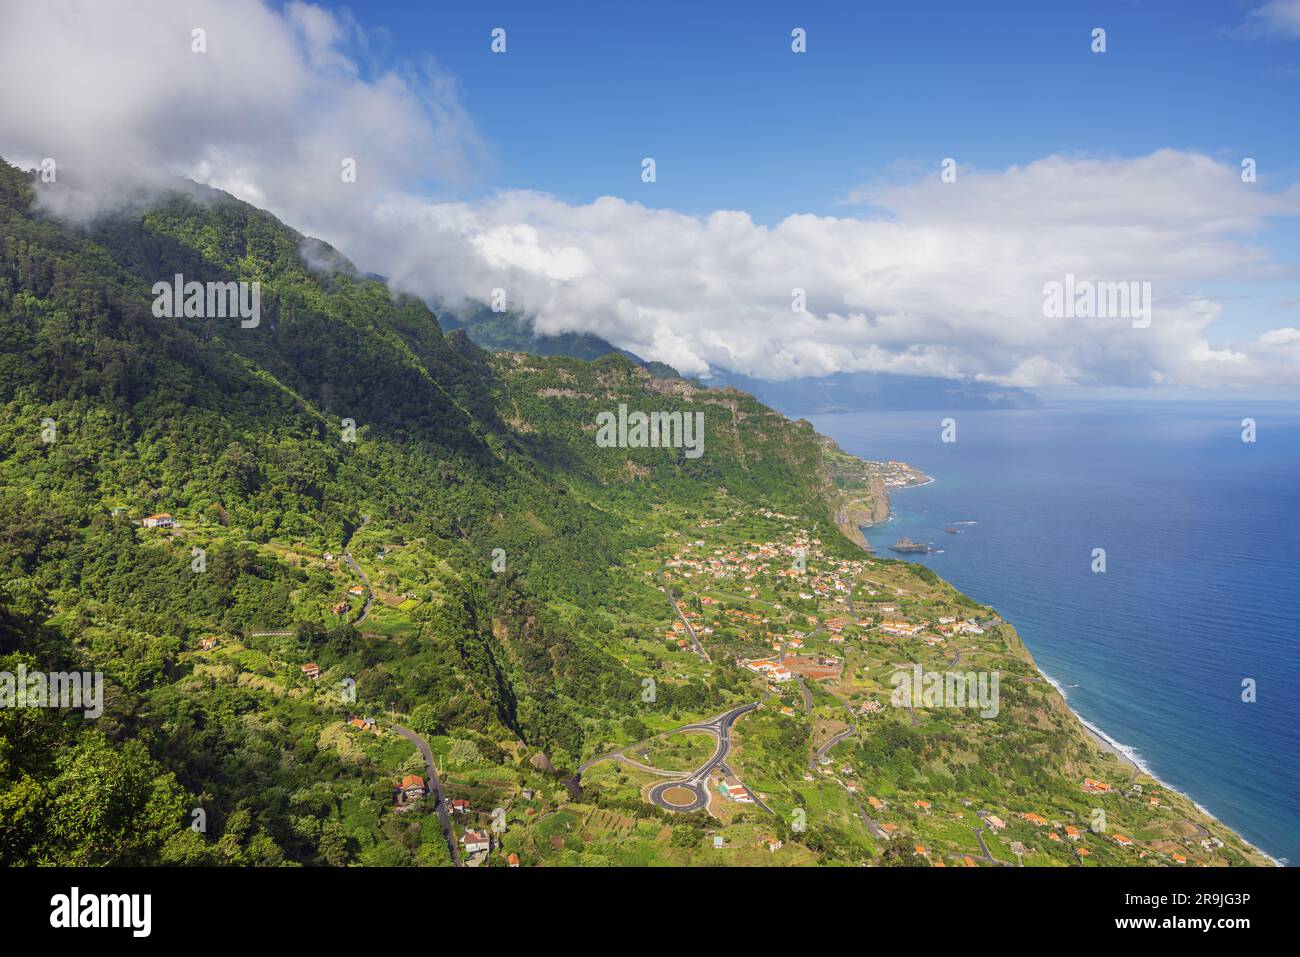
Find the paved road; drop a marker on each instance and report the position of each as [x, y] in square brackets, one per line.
[621, 755]
[697, 780]
[356, 570]
[842, 736]
[988, 856]
[803, 688]
[873, 827]
[852, 729]
[444, 816]
[695, 641]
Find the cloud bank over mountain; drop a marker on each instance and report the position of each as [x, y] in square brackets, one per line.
[922, 277]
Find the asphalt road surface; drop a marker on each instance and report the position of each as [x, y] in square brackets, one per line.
[697, 780]
[444, 816]
[695, 640]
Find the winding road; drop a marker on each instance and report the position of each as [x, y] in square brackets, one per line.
[356, 570]
[370, 592]
[695, 640]
[695, 781]
[988, 856]
[444, 817]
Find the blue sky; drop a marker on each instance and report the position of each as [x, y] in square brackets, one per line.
[779, 174]
[736, 121]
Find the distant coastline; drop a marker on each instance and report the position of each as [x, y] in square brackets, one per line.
[1132, 759]
[1127, 756]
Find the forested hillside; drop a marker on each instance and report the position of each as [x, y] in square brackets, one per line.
[294, 546]
[242, 434]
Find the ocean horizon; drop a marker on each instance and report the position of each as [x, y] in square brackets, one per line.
[1200, 535]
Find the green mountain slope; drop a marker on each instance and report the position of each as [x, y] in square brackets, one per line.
[441, 534]
[512, 332]
[238, 433]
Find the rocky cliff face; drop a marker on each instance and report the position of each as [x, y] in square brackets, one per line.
[855, 490]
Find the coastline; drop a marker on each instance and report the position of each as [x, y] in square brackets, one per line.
[1127, 756]
[889, 506]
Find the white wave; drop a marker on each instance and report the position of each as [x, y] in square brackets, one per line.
[1136, 757]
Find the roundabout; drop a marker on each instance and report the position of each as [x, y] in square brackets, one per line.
[682, 796]
[685, 791]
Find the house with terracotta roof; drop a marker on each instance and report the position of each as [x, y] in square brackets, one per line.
[459, 806]
[1095, 787]
[1122, 841]
[311, 670]
[512, 859]
[735, 791]
[1033, 818]
[411, 788]
[476, 841]
[1072, 832]
[160, 520]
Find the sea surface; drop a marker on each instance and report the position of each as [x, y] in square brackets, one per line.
[1201, 590]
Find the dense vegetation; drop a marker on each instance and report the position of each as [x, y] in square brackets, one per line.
[379, 520]
[111, 414]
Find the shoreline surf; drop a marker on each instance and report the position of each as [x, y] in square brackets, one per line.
[1128, 756]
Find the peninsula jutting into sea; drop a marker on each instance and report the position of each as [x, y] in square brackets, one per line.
[719, 672]
[1174, 583]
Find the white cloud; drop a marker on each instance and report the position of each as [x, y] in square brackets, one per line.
[929, 278]
[115, 92]
[1280, 337]
[1274, 18]
[942, 279]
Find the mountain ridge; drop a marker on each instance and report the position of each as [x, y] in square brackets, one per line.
[369, 517]
[840, 392]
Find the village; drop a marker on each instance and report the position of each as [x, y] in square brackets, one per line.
[817, 632]
[827, 628]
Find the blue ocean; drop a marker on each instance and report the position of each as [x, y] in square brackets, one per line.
[1202, 584]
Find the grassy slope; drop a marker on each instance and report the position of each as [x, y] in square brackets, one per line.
[237, 432]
